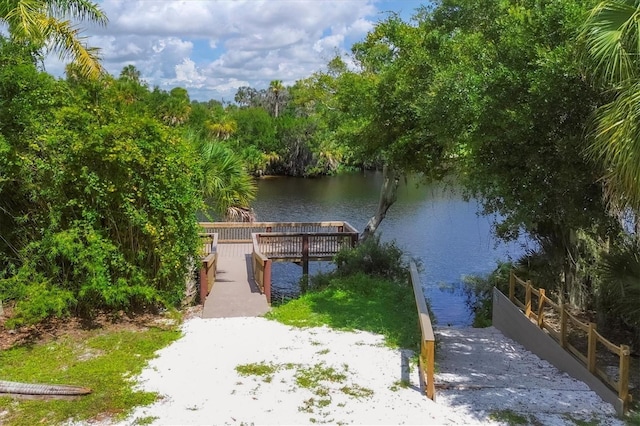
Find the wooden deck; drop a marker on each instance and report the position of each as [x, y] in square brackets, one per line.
[235, 273]
[235, 293]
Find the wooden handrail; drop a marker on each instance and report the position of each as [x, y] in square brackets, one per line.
[593, 337]
[261, 269]
[210, 242]
[427, 340]
[207, 275]
[240, 232]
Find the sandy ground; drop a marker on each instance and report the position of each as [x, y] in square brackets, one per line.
[319, 375]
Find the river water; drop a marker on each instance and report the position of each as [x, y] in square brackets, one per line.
[432, 223]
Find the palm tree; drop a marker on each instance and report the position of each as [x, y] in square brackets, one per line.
[612, 39]
[224, 180]
[223, 129]
[276, 88]
[47, 24]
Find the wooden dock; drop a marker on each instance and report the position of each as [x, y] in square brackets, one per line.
[235, 277]
[235, 293]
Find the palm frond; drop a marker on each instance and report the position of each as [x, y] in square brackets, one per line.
[224, 178]
[83, 10]
[611, 33]
[65, 39]
[620, 288]
[25, 20]
[616, 144]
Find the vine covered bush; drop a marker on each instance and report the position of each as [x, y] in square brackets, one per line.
[98, 199]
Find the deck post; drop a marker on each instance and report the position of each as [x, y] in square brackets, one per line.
[266, 277]
[204, 282]
[623, 380]
[305, 255]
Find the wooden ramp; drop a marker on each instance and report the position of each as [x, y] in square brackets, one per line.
[235, 293]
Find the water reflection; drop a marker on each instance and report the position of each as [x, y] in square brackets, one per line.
[432, 223]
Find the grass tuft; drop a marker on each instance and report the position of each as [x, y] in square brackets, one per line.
[510, 417]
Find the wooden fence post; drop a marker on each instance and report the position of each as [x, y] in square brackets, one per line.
[541, 308]
[305, 255]
[527, 300]
[563, 326]
[204, 282]
[512, 286]
[623, 381]
[430, 353]
[591, 348]
[266, 280]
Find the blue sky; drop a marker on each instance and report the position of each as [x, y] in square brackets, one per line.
[212, 47]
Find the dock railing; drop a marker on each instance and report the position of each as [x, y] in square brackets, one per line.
[427, 339]
[209, 263]
[261, 269]
[240, 232]
[298, 246]
[558, 321]
[297, 242]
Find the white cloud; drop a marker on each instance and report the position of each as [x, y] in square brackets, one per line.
[213, 47]
[188, 75]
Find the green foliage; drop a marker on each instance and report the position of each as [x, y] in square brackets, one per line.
[52, 25]
[509, 92]
[103, 362]
[478, 292]
[619, 270]
[369, 290]
[373, 258]
[97, 198]
[225, 183]
[611, 45]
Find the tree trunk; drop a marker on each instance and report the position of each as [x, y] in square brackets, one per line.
[388, 196]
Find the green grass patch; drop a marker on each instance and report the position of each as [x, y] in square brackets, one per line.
[357, 391]
[102, 361]
[256, 369]
[510, 417]
[310, 377]
[399, 384]
[357, 302]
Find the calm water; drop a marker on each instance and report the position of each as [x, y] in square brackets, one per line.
[432, 223]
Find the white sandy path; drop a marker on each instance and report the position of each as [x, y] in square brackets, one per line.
[197, 377]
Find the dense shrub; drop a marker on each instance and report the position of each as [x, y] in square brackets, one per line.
[98, 199]
[374, 258]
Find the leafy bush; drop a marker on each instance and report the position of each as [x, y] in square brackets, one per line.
[373, 258]
[98, 199]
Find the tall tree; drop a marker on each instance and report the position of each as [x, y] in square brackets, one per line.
[48, 24]
[277, 92]
[514, 95]
[387, 112]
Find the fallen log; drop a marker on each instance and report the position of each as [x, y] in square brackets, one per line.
[17, 388]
